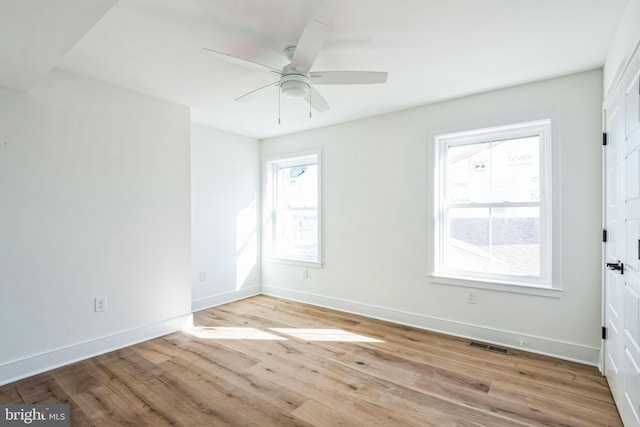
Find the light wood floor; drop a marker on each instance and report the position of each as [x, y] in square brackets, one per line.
[234, 369]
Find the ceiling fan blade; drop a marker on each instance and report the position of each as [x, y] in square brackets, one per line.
[239, 61]
[309, 45]
[317, 101]
[248, 95]
[348, 77]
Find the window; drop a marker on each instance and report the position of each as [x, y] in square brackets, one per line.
[292, 209]
[492, 205]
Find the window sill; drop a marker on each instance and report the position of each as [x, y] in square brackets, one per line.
[497, 286]
[299, 263]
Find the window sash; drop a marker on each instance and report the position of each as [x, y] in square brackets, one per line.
[295, 251]
[492, 246]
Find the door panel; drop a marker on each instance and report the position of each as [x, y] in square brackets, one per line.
[631, 300]
[632, 106]
[632, 202]
[631, 218]
[631, 244]
[614, 362]
[632, 389]
[631, 185]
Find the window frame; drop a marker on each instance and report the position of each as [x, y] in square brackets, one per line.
[271, 167]
[547, 284]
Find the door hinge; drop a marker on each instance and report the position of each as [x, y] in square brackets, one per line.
[604, 235]
[604, 138]
[604, 333]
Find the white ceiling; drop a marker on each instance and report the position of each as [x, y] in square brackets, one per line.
[432, 49]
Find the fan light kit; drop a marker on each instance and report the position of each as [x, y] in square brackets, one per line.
[293, 88]
[296, 79]
[294, 85]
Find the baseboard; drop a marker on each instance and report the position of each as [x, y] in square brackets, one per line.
[223, 298]
[42, 362]
[545, 346]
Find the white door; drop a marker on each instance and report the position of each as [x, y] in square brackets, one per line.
[614, 204]
[622, 219]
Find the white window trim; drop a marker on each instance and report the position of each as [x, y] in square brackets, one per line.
[269, 207]
[550, 285]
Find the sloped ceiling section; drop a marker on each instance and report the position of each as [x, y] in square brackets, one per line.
[36, 34]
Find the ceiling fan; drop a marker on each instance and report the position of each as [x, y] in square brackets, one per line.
[296, 78]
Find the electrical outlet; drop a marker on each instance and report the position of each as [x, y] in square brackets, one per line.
[203, 276]
[472, 298]
[100, 304]
[305, 273]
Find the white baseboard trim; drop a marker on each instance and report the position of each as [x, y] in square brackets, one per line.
[545, 346]
[42, 362]
[223, 298]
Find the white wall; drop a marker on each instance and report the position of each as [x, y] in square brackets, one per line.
[625, 40]
[225, 170]
[375, 249]
[95, 201]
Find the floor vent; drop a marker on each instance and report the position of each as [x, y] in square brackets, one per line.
[489, 347]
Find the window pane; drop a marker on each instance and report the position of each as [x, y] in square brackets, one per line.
[296, 233]
[468, 178]
[298, 186]
[495, 171]
[502, 241]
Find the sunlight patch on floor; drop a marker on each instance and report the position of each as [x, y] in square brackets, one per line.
[232, 333]
[305, 334]
[324, 335]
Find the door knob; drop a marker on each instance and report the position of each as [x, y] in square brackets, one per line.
[616, 266]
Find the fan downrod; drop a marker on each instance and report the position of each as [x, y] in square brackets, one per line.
[289, 51]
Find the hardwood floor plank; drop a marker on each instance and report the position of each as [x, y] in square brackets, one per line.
[41, 389]
[223, 401]
[319, 382]
[144, 397]
[264, 361]
[75, 379]
[269, 403]
[203, 349]
[345, 412]
[499, 380]
[9, 395]
[589, 412]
